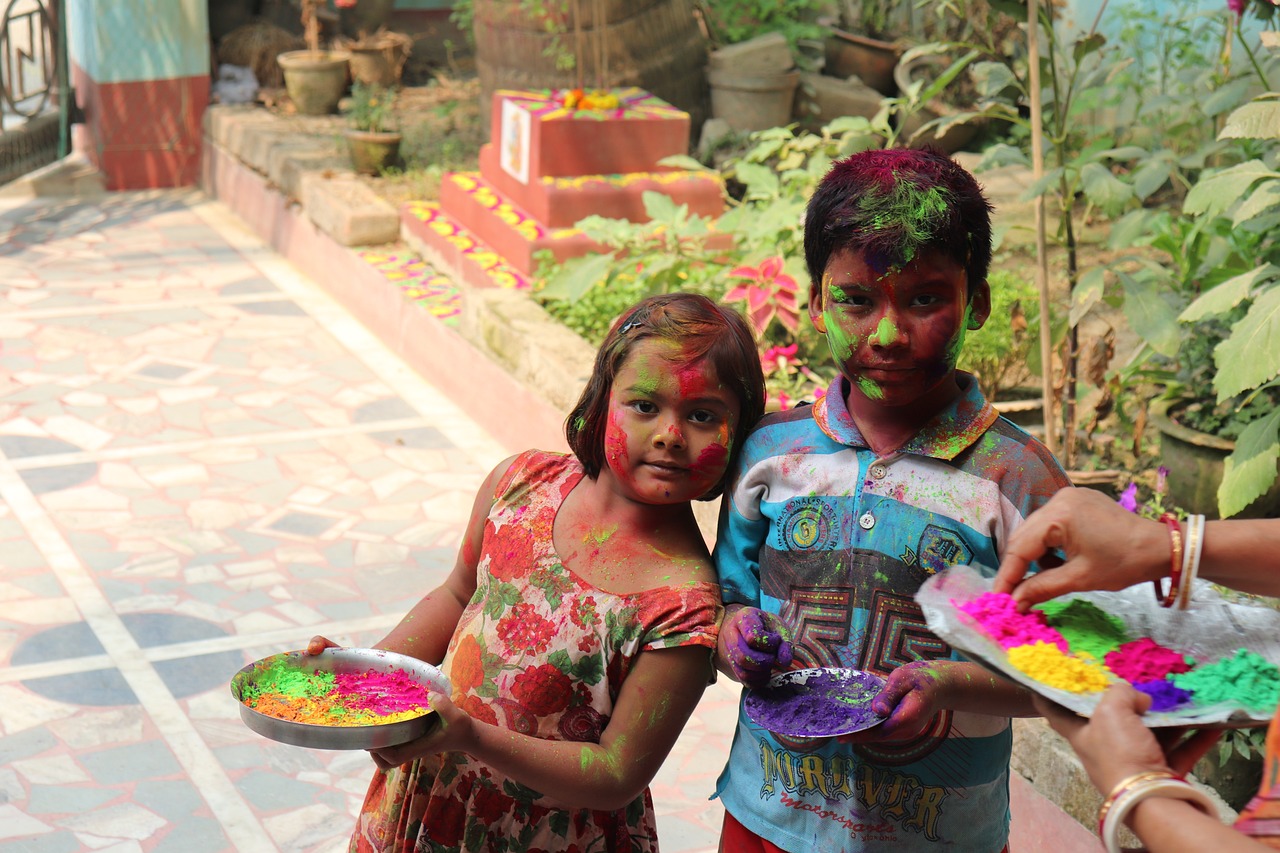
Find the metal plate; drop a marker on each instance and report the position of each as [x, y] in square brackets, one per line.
[342, 737]
[799, 703]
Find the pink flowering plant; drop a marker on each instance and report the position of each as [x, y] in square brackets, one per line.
[788, 380]
[1155, 506]
[769, 294]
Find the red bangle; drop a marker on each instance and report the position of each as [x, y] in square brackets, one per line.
[1175, 561]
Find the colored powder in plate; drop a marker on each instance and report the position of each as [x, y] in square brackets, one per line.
[381, 692]
[1088, 629]
[998, 616]
[324, 712]
[1048, 664]
[825, 703]
[1146, 660]
[1164, 696]
[287, 679]
[1245, 678]
[288, 692]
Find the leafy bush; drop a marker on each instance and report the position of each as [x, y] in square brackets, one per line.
[997, 353]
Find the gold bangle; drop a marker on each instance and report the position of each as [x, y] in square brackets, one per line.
[1124, 785]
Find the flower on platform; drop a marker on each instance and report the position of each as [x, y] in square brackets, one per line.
[578, 99]
[1129, 498]
[772, 294]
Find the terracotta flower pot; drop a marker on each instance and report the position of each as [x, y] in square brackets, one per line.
[316, 81]
[373, 152]
[872, 60]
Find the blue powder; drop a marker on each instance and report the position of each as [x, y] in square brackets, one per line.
[1164, 695]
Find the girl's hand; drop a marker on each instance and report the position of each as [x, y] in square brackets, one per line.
[452, 731]
[752, 644]
[319, 644]
[912, 696]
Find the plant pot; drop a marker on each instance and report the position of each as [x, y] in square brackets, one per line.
[1195, 461]
[365, 17]
[953, 138]
[377, 66]
[316, 81]
[373, 152]
[749, 102]
[872, 60]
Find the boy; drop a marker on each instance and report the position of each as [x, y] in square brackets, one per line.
[840, 510]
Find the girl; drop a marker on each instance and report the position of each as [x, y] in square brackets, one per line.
[577, 625]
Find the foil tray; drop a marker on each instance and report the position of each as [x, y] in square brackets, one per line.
[1209, 630]
[337, 660]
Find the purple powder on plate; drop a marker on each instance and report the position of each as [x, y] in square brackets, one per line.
[826, 702]
[1164, 695]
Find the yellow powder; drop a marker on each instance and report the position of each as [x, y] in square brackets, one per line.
[1047, 664]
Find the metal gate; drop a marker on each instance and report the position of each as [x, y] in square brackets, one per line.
[33, 86]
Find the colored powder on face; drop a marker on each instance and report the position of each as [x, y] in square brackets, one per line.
[825, 703]
[1146, 660]
[1049, 665]
[997, 614]
[1087, 628]
[1244, 677]
[288, 692]
[1164, 696]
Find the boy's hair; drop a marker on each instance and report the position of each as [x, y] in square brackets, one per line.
[704, 330]
[893, 203]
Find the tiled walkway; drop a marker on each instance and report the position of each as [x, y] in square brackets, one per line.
[204, 460]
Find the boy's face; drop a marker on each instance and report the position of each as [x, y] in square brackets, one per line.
[896, 332]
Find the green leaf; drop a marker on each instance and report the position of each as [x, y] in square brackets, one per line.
[1251, 470]
[1251, 356]
[1226, 97]
[660, 207]
[578, 276]
[762, 182]
[848, 124]
[943, 80]
[1130, 229]
[1038, 188]
[684, 161]
[1150, 315]
[1213, 194]
[1258, 119]
[1001, 154]
[1227, 295]
[590, 669]
[991, 78]
[1151, 176]
[1087, 293]
[1264, 199]
[1104, 189]
[1087, 45]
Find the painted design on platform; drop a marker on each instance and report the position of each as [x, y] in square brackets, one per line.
[631, 179]
[633, 103]
[418, 281]
[525, 225]
[472, 250]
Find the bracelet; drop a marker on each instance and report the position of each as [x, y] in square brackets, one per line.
[1123, 786]
[1191, 561]
[1160, 787]
[1175, 561]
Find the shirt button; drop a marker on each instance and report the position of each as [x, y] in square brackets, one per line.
[867, 521]
[878, 471]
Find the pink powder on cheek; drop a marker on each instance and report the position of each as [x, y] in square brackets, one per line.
[615, 441]
[712, 459]
[997, 615]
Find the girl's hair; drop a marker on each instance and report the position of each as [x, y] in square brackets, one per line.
[891, 204]
[703, 330]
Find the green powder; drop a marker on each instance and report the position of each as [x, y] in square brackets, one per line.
[1245, 678]
[284, 677]
[1088, 629]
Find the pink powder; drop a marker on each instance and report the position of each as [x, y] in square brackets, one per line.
[381, 692]
[1145, 660]
[998, 616]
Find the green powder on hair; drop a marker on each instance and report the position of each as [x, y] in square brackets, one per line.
[1086, 627]
[1245, 678]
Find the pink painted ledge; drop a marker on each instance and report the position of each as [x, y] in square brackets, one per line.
[513, 414]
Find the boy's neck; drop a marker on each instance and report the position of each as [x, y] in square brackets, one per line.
[887, 429]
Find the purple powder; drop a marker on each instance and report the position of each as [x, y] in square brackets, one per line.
[1164, 695]
[826, 702]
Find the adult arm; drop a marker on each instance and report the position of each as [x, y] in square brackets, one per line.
[655, 701]
[1109, 548]
[425, 631]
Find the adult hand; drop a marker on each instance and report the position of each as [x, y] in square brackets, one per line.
[451, 731]
[753, 643]
[1106, 547]
[318, 644]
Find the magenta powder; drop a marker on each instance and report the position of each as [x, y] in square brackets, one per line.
[1146, 660]
[825, 703]
[1164, 696]
[997, 614]
[381, 692]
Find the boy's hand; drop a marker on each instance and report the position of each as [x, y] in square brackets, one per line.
[912, 697]
[319, 644]
[451, 731]
[752, 644]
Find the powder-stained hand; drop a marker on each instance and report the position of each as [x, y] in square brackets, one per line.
[754, 643]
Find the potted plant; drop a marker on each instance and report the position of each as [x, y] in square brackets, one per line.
[372, 140]
[315, 78]
[866, 44]
[377, 58]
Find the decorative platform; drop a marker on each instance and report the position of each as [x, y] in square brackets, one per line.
[457, 248]
[550, 165]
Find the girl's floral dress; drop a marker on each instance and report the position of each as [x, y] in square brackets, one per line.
[540, 651]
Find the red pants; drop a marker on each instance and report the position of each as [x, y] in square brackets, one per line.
[736, 838]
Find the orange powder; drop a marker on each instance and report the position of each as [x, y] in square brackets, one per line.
[1047, 664]
[322, 712]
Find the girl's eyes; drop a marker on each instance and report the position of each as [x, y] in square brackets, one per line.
[702, 416]
[644, 407]
[697, 416]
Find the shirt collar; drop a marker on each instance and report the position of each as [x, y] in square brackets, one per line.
[946, 436]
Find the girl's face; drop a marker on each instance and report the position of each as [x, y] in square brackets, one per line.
[897, 333]
[670, 425]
